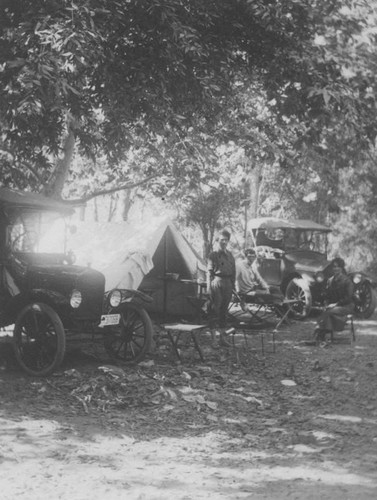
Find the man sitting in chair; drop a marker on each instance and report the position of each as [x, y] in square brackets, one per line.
[339, 295]
[249, 283]
[248, 278]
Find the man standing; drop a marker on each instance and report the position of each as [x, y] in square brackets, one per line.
[221, 281]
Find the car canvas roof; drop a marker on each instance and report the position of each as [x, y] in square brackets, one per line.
[276, 223]
[9, 198]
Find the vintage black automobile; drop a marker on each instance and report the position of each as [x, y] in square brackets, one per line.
[292, 254]
[47, 300]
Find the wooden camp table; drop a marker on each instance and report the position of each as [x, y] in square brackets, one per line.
[175, 330]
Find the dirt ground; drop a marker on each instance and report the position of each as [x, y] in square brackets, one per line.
[297, 423]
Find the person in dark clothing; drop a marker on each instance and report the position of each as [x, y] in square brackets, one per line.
[339, 299]
[221, 276]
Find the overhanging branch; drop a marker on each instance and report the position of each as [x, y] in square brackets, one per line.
[102, 192]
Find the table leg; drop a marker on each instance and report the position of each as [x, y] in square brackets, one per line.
[174, 342]
[197, 346]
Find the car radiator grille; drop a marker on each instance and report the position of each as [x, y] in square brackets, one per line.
[92, 286]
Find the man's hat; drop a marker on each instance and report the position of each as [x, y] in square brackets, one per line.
[250, 251]
[225, 234]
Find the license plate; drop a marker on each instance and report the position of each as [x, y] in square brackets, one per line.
[109, 319]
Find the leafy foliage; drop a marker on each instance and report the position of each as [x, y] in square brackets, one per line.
[180, 90]
[109, 70]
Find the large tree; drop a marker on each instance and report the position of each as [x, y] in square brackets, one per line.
[99, 75]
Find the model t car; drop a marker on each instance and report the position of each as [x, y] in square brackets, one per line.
[46, 299]
[292, 254]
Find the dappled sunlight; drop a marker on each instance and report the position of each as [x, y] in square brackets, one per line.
[242, 434]
[196, 467]
[366, 327]
[349, 419]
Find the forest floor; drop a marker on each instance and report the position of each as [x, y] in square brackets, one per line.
[297, 423]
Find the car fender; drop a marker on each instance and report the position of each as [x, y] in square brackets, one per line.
[304, 282]
[17, 302]
[128, 295]
[135, 296]
[301, 280]
[307, 279]
[363, 278]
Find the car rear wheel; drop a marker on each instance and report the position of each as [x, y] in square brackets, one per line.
[365, 300]
[39, 339]
[299, 298]
[131, 340]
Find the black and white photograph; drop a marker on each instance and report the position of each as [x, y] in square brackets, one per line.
[188, 249]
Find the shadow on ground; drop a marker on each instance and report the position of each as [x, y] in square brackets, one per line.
[229, 428]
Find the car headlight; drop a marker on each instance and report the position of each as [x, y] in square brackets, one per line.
[115, 298]
[76, 299]
[357, 278]
[320, 277]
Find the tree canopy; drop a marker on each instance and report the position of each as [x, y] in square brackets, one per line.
[101, 74]
[262, 99]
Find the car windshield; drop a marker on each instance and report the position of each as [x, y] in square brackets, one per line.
[37, 232]
[315, 241]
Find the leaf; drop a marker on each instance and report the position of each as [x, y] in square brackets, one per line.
[212, 405]
[252, 399]
[288, 383]
[187, 390]
[171, 394]
[146, 364]
[189, 399]
[167, 408]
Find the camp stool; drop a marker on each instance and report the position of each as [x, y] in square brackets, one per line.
[175, 330]
[349, 323]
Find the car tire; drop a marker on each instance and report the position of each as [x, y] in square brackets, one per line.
[298, 291]
[39, 339]
[365, 300]
[131, 340]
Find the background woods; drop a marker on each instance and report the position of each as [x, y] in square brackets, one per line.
[217, 111]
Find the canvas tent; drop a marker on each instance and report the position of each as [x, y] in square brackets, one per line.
[153, 257]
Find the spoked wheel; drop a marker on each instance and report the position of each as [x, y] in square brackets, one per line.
[39, 339]
[299, 298]
[365, 300]
[131, 340]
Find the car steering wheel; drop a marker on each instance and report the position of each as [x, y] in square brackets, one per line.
[306, 245]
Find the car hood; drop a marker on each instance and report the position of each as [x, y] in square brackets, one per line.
[306, 260]
[63, 278]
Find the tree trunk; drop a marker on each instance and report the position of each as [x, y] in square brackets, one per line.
[58, 177]
[113, 207]
[254, 183]
[95, 204]
[127, 200]
[82, 211]
[253, 174]
[206, 243]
